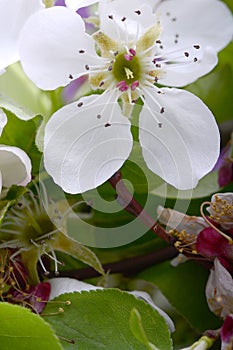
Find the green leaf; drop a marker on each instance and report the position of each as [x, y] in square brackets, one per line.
[206, 186]
[69, 246]
[184, 287]
[22, 330]
[21, 96]
[14, 193]
[135, 323]
[99, 319]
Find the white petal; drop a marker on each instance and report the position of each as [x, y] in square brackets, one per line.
[189, 69]
[3, 120]
[15, 166]
[135, 22]
[186, 147]
[147, 298]
[68, 285]
[77, 4]
[180, 221]
[13, 15]
[49, 47]
[82, 150]
[203, 22]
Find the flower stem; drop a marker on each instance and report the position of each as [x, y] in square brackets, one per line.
[133, 207]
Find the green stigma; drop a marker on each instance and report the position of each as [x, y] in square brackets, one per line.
[124, 70]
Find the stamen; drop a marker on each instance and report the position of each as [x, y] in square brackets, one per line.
[46, 272]
[134, 85]
[148, 107]
[230, 240]
[122, 86]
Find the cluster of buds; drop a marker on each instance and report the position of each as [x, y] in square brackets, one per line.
[210, 238]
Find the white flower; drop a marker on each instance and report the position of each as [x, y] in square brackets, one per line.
[13, 15]
[62, 285]
[15, 165]
[88, 141]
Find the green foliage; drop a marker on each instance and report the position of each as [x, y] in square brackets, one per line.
[184, 287]
[21, 329]
[137, 329]
[101, 320]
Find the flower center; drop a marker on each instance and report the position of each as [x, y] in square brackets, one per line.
[127, 68]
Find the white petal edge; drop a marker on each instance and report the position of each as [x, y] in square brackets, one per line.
[15, 166]
[68, 285]
[3, 120]
[186, 147]
[13, 15]
[77, 4]
[51, 47]
[147, 298]
[84, 146]
[203, 22]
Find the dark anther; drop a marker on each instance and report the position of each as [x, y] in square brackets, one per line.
[107, 124]
[186, 54]
[196, 47]
[80, 104]
[101, 83]
[162, 110]
[174, 19]
[123, 19]
[138, 12]
[81, 51]
[116, 53]
[87, 67]
[159, 92]
[110, 16]
[158, 65]
[109, 68]
[195, 59]
[158, 41]
[160, 125]
[71, 76]
[156, 79]
[161, 47]
[99, 116]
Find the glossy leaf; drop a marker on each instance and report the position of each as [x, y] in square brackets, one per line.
[22, 330]
[100, 320]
